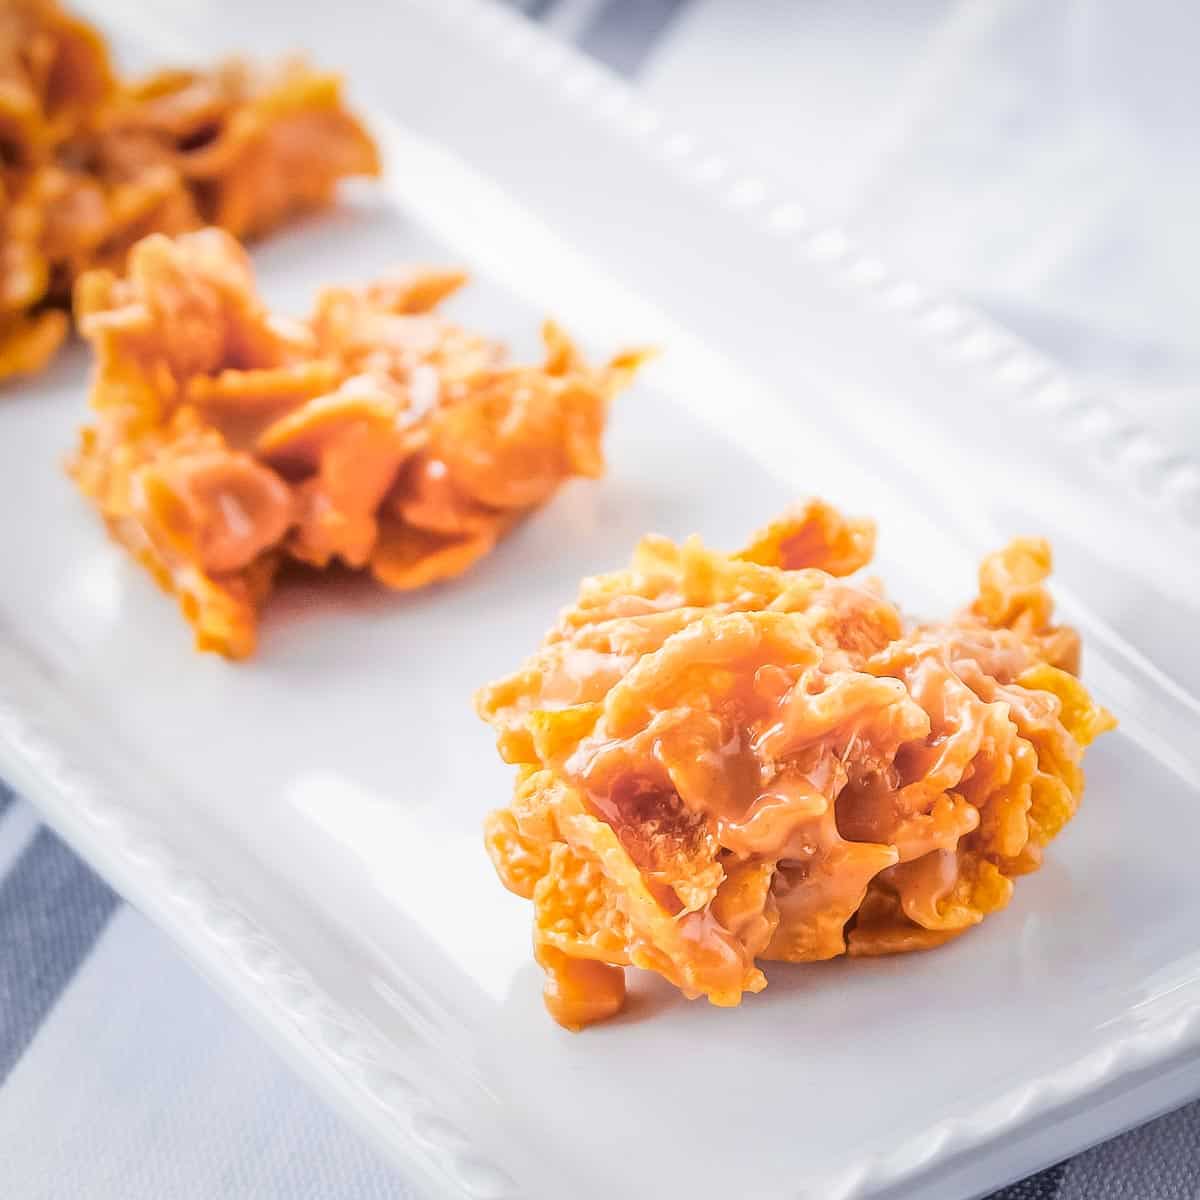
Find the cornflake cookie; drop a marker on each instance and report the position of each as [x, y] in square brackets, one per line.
[89, 163]
[376, 434]
[727, 758]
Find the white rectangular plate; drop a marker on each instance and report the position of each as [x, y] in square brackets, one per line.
[307, 825]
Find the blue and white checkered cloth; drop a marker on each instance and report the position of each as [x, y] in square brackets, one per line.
[122, 1077]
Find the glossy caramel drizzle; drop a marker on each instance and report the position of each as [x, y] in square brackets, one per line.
[725, 759]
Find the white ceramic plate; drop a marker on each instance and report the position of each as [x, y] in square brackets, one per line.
[306, 825]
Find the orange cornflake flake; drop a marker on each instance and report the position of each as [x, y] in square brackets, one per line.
[89, 163]
[376, 434]
[732, 758]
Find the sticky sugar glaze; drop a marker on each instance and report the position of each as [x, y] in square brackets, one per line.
[726, 759]
[376, 434]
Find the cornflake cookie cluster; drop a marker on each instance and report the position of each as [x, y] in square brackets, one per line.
[731, 758]
[375, 434]
[89, 163]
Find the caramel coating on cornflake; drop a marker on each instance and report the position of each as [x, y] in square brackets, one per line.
[89, 164]
[724, 759]
[376, 434]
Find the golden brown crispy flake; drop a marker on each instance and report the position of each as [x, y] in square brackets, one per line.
[726, 758]
[54, 71]
[253, 145]
[27, 344]
[814, 534]
[406, 558]
[226, 438]
[90, 164]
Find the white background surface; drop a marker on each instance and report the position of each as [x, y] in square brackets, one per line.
[142, 1085]
[1038, 159]
[175, 1097]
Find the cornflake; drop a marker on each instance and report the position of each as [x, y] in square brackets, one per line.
[376, 434]
[731, 758]
[89, 163]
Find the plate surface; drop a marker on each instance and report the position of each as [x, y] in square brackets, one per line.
[306, 825]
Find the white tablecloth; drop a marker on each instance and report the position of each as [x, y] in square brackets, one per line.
[1015, 152]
